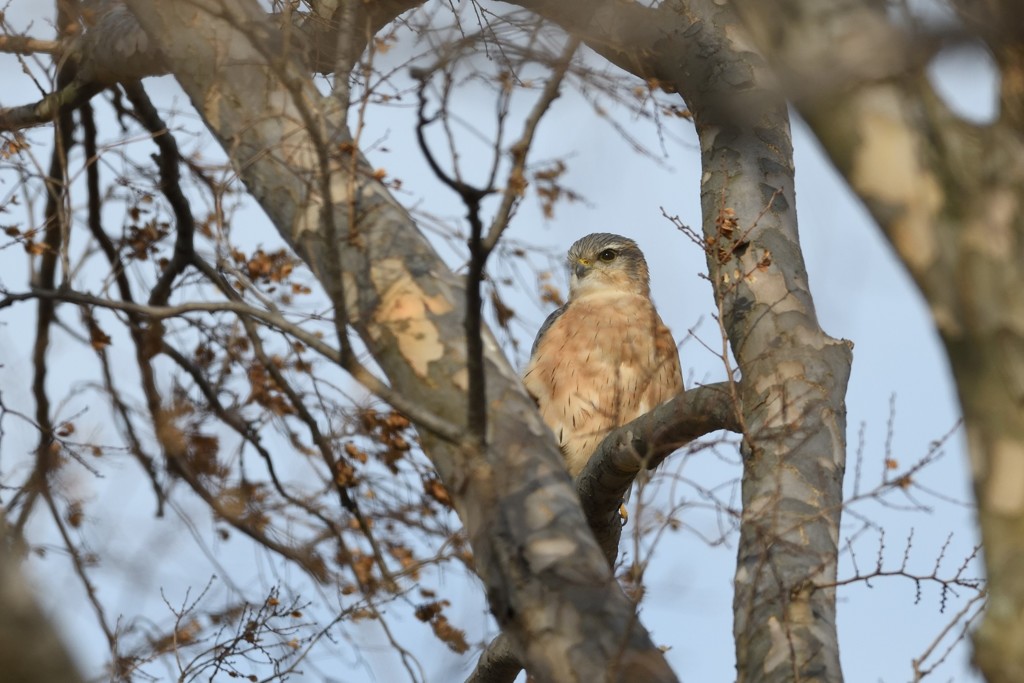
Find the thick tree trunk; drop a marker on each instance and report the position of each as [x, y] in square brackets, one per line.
[613, 467]
[550, 590]
[792, 396]
[989, 368]
[978, 230]
[547, 581]
[794, 375]
[949, 195]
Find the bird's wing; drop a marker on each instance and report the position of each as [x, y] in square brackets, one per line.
[555, 315]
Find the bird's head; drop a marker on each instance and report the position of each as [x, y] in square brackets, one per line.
[606, 263]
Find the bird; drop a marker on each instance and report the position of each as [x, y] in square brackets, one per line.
[605, 357]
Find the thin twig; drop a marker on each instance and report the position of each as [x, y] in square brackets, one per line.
[442, 428]
[519, 151]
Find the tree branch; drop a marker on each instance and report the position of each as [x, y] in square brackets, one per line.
[947, 194]
[791, 417]
[644, 443]
[528, 534]
[115, 49]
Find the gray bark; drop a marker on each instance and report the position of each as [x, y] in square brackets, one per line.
[794, 376]
[643, 443]
[546, 578]
[948, 195]
[547, 583]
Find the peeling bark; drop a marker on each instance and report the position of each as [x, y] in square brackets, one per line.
[948, 196]
[946, 193]
[547, 582]
[643, 443]
[794, 376]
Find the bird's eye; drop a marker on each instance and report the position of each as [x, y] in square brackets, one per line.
[608, 255]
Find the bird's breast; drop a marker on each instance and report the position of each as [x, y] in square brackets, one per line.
[602, 363]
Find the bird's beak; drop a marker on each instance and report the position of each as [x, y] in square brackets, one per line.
[581, 268]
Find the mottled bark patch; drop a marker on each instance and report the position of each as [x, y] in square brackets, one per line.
[888, 168]
[406, 311]
[1006, 478]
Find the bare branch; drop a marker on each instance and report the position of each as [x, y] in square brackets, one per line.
[428, 421]
[644, 443]
[26, 45]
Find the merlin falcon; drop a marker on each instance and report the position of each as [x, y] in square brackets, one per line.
[605, 357]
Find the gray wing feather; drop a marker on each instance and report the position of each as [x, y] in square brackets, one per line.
[555, 315]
